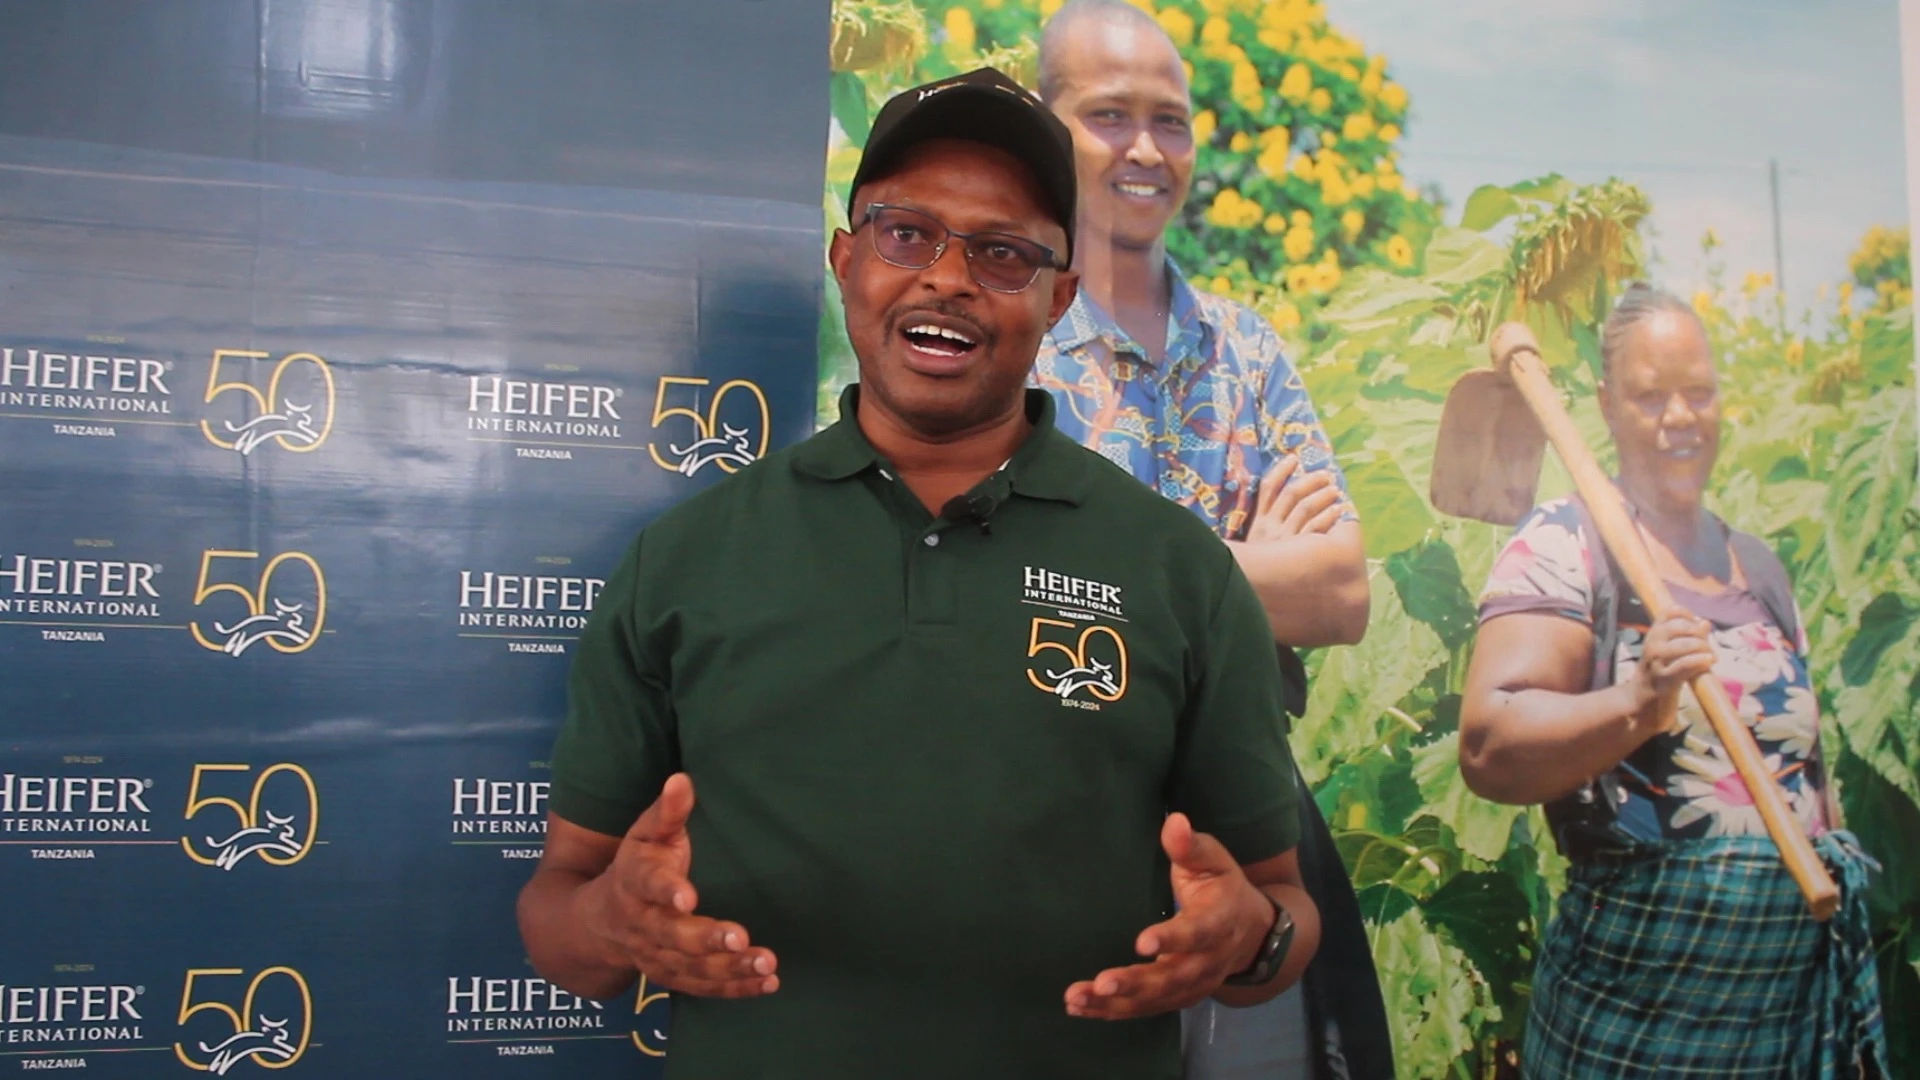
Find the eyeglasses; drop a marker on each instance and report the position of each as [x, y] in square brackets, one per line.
[912, 240]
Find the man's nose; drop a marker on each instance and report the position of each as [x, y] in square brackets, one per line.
[950, 275]
[1144, 151]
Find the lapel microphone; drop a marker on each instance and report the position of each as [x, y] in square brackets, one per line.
[975, 507]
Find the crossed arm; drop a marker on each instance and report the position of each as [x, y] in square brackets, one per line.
[1307, 565]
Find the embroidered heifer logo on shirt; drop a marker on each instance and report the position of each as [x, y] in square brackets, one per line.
[1082, 669]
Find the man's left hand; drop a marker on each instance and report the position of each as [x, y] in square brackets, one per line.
[1220, 922]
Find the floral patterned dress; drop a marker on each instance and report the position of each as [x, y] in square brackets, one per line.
[1681, 784]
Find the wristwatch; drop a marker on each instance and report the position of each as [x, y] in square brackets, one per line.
[1273, 951]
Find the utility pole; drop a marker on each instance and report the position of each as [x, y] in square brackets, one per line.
[1779, 259]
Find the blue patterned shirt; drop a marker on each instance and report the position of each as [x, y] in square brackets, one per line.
[1202, 426]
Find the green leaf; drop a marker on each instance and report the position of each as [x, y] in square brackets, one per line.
[1481, 826]
[1488, 917]
[1462, 256]
[1489, 205]
[1429, 985]
[1428, 581]
[1354, 686]
[1382, 903]
[1885, 621]
[847, 94]
[1393, 516]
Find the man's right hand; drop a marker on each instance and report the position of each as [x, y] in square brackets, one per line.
[1312, 503]
[641, 910]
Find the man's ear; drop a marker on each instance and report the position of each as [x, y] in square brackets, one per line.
[840, 255]
[1066, 285]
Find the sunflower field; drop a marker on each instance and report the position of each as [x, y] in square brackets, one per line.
[1299, 209]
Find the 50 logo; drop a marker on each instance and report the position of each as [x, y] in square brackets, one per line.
[1095, 662]
[284, 413]
[272, 1026]
[278, 838]
[650, 1035]
[724, 440]
[292, 625]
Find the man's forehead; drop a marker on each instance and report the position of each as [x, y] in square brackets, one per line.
[1116, 58]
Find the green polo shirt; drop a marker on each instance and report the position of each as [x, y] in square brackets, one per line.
[931, 760]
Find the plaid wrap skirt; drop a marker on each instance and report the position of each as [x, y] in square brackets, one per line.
[1698, 959]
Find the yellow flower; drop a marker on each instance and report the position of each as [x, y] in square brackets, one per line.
[1185, 65]
[960, 29]
[1231, 210]
[1301, 219]
[1221, 285]
[1326, 276]
[1048, 8]
[1394, 97]
[1214, 7]
[1703, 304]
[1857, 327]
[1709, 240]
[1178, 25]
[1277, 135]
[1362, 186]
[1370, 82]
[1299, 278]
[1204, 123]
[1353, 221]
[1303, 168]
[1358, 126]
[1754, 282]
[1796, 352]
[1399, 251]
[1298, 244]
[1333, 187]
[1240, 143]
[1278, 40]
[1275, 224]
[1297, 84]
[1285, 318]
[1246, 87]
[1389, 181]
[1389, 132]
[1846, 296]
[1215, 32]
[1273, 161]
[991, 5]
[1143, 5]
[1320, 100]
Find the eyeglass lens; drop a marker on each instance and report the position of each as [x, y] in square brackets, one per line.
[912, 240]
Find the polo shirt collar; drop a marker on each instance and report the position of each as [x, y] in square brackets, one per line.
[1086, 321]
[1048, 465]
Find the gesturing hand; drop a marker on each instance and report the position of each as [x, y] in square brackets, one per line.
[1310, 504]
[1677, 649]
[1221, 921]
[642, 908]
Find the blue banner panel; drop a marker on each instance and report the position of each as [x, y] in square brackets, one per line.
[344, 347]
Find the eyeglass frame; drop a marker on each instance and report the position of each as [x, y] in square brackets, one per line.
[1052, 257]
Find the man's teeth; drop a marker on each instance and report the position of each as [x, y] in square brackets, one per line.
[1143, 190]
[943, 332]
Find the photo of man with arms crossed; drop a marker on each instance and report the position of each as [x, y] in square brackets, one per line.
[1191, 394]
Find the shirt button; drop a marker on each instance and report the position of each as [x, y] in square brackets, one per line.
[932, 540]
[1233, 485]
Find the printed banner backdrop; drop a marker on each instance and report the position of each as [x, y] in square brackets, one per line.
[1385, 181]
[344, 346]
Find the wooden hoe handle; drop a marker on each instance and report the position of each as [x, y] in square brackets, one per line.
[1517, 354]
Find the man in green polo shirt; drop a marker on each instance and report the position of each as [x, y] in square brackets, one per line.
[987, 738]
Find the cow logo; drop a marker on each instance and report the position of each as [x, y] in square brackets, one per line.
[726, 441]
[286, 621]
[280, 829]
[271, 1028]
[284, 414]
[1080, 670]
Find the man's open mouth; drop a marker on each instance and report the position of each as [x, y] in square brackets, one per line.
[940, 340]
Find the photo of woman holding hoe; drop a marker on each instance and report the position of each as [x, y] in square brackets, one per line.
[1681, 946]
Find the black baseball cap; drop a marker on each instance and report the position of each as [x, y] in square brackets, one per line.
[983, 106]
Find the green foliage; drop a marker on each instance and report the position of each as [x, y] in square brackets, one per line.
[1818, 456]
